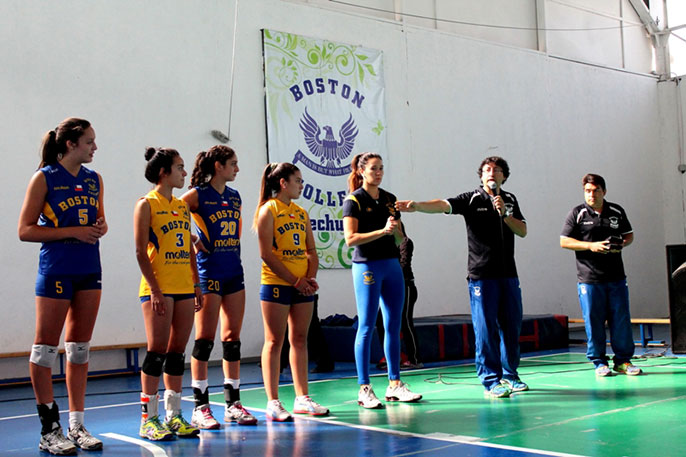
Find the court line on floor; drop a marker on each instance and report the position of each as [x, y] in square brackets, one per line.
[155, 450]
[589, 416]
[64, 411]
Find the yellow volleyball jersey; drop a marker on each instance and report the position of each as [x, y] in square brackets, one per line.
[169, 246]
[290, 232]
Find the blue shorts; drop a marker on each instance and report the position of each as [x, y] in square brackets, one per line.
[285, 295]
[222, 286]
[64, 286]
[176, 297]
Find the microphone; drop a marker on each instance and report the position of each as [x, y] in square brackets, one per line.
[494, 188]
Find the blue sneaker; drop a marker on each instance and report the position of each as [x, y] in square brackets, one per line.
[500, 390]
[516, 385]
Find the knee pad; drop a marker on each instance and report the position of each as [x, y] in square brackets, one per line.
[153, 363]
[202, 350]
[232, 350]
[43, 355]
[175, 364]
[77, 353]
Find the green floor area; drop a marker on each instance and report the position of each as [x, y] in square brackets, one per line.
[568, 410]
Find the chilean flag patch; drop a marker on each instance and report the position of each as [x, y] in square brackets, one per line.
[174, 213]
[78, 188]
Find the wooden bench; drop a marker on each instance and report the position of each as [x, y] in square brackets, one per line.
[645, 326]
[132, 361]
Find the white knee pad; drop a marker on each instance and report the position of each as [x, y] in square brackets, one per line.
[77, 353]
[43, 355]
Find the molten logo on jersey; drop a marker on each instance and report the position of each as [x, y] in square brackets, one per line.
[368, 278]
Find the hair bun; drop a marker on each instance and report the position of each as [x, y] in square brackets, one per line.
[149, 152]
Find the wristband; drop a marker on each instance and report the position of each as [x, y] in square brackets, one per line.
[197, 285]
[295, 284]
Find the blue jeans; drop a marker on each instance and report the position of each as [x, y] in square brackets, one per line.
[378, 282]
[497, 318]
[608, 301]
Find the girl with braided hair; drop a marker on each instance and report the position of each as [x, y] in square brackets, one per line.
[289, 269]
[216, 210]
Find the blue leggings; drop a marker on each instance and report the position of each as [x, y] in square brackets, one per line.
[374, 280]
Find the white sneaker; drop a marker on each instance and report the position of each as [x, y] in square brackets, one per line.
[203, 419]
[236, 413]
[305, 405]
[367, 398]
[400, 392]
[276, 412]
[83, 439]
[56, 443]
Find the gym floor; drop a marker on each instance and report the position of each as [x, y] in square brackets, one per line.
[568, 411]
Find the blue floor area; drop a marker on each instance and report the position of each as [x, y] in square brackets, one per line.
[113, 412]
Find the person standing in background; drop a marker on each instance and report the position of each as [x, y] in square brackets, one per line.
[216, 210]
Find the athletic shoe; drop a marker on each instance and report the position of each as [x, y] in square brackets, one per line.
[181, 428]
[516, 385]
[305, 405]
[603, 371]
[276, 412]
[407, 365]
[236, 413]
[83, 439]
[499, 390]
[154, 430]
[400, 392]
[366, 398]
[203, 419]
[56, 443]
[627, 368]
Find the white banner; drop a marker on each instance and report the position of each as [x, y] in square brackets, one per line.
[325, 103]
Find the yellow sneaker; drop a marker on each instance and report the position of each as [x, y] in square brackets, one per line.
[153, 430]
[181, 428]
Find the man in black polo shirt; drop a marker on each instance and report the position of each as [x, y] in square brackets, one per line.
[493, 218]
[597, 230]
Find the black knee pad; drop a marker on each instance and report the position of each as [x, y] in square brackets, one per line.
[232, 350]
[175, 364]
[152, 365]
[202, 350]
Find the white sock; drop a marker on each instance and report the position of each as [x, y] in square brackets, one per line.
[200, 384]
[149, 406]
[235, 383]
[75, 418]
[172, 403]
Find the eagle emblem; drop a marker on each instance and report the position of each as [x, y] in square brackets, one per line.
[329, 150]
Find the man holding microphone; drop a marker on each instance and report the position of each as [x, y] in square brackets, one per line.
[492, 218]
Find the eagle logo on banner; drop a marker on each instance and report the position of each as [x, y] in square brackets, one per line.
[329, 150]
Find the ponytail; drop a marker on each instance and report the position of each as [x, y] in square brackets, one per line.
[356, 167]
[54, 144]
[270, 185]
[203, 170]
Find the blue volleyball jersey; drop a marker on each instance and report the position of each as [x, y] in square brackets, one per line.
[218, 220]
[70, 201]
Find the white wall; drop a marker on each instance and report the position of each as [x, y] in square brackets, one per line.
[146, 75]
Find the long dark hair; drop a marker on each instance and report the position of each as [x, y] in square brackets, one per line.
[203, 170]
[270, 185]
[158, 159]
[54, 144]
[358, 163]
